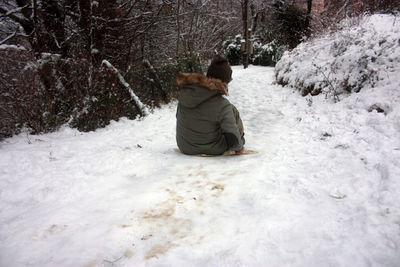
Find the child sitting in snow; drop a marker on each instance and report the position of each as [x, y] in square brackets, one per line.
[207, 123]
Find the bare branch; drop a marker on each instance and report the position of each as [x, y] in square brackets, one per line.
[9, 37]
[140, 106]
[11, 12]
[25, 23]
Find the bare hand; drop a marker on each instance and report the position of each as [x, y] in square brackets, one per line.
[239, 152]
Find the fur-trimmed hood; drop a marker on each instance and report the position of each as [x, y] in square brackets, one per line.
[196, 89]
[196, 78]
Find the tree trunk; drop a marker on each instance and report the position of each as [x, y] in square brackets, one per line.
[53, 21]
[309, 7]
[178, 22]
[308, 19]
[254, 18]
[245, 11]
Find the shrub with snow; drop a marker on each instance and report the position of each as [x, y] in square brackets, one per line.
[346, 61]
[267, 54]
[232, 50]
[263, 54]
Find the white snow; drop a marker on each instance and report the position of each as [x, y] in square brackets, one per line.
[358, 56]
[14, 47]
[323, 190]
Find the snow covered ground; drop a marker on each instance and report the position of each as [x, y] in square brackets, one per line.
[323, 190]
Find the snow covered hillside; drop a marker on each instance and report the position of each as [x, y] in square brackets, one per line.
[323, 190]
[363, 55]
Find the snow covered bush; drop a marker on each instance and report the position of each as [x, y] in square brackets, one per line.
[106, 100]
[155, 83]
[267, 54]
[53, 91]
[263, 54]
[345, 61]
[231, 50]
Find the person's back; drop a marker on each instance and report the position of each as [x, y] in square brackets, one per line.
[206, 121]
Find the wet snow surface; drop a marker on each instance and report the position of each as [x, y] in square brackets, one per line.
[323, 190]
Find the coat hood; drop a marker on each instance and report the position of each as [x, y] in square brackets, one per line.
[196, 88]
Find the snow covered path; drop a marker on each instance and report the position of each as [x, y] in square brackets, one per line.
[323, 191]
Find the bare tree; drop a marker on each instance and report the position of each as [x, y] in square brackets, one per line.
[309, 8]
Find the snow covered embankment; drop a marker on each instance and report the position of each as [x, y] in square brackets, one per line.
[358, 56]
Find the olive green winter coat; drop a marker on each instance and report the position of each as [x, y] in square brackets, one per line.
[206, 121]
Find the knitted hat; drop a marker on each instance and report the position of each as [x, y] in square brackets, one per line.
[220, 69]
